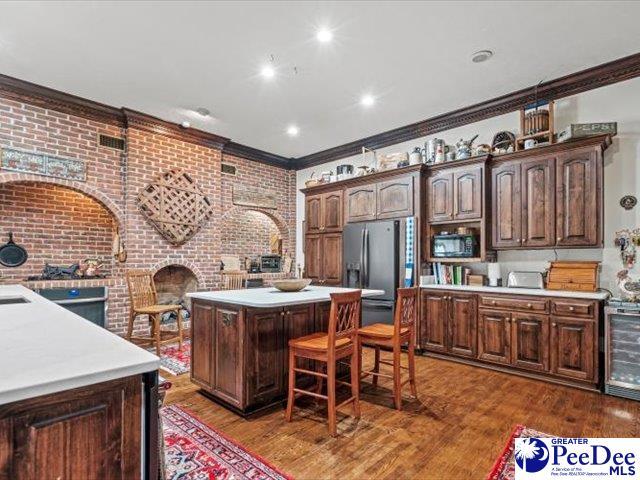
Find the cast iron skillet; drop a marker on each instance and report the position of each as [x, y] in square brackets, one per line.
[12, 255]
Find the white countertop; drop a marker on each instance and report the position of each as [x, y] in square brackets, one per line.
[521, 291]
[46, 349]
[273, 298]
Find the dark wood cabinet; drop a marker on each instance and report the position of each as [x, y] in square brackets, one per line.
[265, 354]
[360, 203]
[573, 349]
[433, 325]
[87, 432]
[440, 196]
[467, 190]
[538, 202]
[530, 343]
[201, 338]
[395, 198]
[331, 258]
[227, 353]
[324, 212]
[313, 213]
[313, 257]
[578, 192]
[462, 325]
[494, 336]
[506, 208]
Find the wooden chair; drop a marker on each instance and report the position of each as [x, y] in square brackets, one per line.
[394, 336]
[234, 280]
[338, 343]
[144, 301]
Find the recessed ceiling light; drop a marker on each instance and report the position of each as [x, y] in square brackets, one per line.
[367, 100]
[481, 56]
[268, 71]
[203, 112]
[293, 131]
[185, 124]
[324, 35]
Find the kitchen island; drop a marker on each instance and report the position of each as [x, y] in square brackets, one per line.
[75, 399]
[240, 341]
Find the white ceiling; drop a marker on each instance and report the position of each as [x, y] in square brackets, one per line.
[167, 58]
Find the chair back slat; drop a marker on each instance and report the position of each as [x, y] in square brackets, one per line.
[142, 290]
[344, 317]
[234, 280]
[406, 309]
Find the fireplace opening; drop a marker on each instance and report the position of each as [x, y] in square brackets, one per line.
[173, 282]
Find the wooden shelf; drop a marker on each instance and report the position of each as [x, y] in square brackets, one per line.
[456, 260]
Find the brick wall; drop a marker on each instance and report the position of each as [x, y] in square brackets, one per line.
[31, 128]
[248, 234]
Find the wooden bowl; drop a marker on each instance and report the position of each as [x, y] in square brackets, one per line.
[292, 284]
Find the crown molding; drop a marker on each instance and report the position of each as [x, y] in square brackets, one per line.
[589, 79]
[250, 153]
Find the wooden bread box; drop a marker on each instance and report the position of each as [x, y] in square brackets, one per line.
[579, 276]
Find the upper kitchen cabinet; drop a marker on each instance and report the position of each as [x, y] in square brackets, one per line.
[455, 193]
[538, 212]
[323, 212]
[395, 198]
[506, 207]
[361, 203]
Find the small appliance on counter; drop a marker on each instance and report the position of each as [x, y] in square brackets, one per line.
[270, 263]
[494, 274]
[622, 349]
[454, 245]
[254, 266]
[525, 280]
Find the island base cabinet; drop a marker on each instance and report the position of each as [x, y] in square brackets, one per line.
[88, 432]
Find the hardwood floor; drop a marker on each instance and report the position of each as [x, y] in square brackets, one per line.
[455, 430]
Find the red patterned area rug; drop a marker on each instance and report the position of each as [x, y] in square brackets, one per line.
[195, 451]
[175, 360]
[504, 467]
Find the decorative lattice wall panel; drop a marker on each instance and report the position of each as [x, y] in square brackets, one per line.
[175, 206]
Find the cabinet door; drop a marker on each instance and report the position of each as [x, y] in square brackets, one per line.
[573, 348]
[395, 198]
[265, 358]
[331, 258]
[538, 202]
[577, 199]
[440, 196]
[313, 213]
[332, 212]
[227, 356]
[312, 248]
[433, 321]
[505, 205]
[361, 203]
[201, 344]
[494, 336]
[530, 342]
[299, 321]
[467, 199]
[462, 325]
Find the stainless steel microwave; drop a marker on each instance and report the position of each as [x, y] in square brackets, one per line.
[270, 263]
[454, 246]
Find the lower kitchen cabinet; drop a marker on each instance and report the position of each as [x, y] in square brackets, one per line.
[323, 258]
[201, 341]
[515, 332]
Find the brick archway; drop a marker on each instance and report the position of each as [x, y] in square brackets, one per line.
[282, 225]
[182, 263]
[88, 190]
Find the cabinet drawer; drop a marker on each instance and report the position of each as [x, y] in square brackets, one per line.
[573, 307]
[529, 305]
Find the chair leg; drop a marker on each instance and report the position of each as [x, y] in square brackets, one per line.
[132, 319]
[355, 381]
[376, 366]
[412, 368]
[397, 393]
[292, 385]
[331, 396]
[156, 327]
[179, 322]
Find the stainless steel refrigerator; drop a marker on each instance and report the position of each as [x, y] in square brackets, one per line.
[373, 255]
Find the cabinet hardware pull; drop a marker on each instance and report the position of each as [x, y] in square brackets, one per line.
[558, 239]
[571, 309]
[529, 305]
[493, 302]
[554, 324]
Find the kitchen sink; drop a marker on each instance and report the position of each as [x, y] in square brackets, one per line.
[12, 300]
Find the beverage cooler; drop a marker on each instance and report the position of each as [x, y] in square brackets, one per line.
[622, 349]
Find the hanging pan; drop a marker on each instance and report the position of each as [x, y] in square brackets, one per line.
[12, 255]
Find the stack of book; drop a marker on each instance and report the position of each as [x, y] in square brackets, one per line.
[450, 274]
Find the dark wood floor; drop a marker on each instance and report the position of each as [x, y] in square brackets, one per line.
[454, 430]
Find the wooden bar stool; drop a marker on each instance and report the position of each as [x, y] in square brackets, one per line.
[144, 301]
[338, 343]
[394, 336]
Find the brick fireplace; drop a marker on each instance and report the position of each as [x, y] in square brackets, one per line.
[63, 221]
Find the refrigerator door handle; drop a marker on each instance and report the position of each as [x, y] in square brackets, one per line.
[366, 257]
[361, 271]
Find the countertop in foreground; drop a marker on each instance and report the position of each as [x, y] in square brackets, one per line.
[45, 348]
[521, 291]
[273, 298]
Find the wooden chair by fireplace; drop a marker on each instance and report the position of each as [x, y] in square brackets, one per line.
[234, 280]
[144, 301]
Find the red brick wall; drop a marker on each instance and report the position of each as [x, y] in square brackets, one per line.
[31, 128]
[248, 234]
[55, 225]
